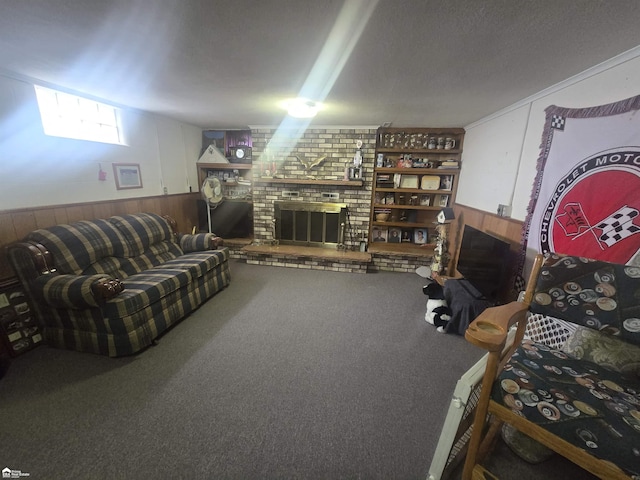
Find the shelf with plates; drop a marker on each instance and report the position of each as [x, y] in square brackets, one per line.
[415, 176]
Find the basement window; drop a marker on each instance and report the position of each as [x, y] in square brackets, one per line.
[70, 116]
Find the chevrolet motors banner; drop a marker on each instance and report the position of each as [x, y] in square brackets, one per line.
[586, 197]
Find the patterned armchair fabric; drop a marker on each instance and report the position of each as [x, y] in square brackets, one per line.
[584, 401]
[595, 294]
[163, 283]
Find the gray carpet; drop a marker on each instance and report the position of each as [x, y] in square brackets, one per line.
[287, 373]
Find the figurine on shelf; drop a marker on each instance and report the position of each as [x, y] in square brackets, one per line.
[270, 171]
[357, 158]
[441, 255]
[309, 165]
[354, 172]
[441, 251]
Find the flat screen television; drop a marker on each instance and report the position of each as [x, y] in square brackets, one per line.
[482, 261]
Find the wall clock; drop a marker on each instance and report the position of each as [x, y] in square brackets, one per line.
[240, 153]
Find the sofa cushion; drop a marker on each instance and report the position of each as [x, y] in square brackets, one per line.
[115, 267]
[199, 263]
[143, 230]
[156, 255]
[122, 268]
[144, 289]
[75, 247]
[583, 403]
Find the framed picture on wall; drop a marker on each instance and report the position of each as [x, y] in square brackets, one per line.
[127, 175]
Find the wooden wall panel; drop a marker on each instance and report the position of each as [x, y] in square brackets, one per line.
[7, 232]
[75, 214]
[16, 224]
[150, 205]
[103, 210]
[24, 222]
[60, 214]
[11, 228]
[42, 219]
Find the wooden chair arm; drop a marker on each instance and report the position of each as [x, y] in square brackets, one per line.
[489, 331]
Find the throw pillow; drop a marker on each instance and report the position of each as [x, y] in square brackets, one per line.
[610, 352]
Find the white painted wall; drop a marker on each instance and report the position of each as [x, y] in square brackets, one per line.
[499, 159]
[37, 170]
[501, 151]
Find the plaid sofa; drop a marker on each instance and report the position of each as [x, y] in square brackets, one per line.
[112, 286]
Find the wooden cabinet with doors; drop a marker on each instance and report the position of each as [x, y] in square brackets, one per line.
[415, 175]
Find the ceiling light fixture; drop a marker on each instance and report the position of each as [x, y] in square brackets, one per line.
[302, 107]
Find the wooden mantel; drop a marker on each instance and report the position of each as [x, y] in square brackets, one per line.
[308, 181]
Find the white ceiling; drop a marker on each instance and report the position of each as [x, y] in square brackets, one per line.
[226, 63]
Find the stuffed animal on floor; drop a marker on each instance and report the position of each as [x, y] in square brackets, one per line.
[438, 312]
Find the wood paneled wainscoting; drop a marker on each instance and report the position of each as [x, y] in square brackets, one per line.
[16, 224]
[504, 228]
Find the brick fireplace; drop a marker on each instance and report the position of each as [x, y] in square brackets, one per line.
[339, 146]
[323, 184]
[310, 223]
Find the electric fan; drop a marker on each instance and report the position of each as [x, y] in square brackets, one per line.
[212, 193]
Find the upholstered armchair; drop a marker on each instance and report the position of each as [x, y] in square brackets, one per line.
[575, 403]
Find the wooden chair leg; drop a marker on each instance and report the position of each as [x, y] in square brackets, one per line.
[480, 473]
[489, 440]
[480, 416]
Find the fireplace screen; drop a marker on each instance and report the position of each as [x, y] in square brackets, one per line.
[310, 223]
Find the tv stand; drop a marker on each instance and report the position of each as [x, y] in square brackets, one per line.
[465, 302]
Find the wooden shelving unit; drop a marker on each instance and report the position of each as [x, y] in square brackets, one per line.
[416, 175]
[231, 189]
[237, 206]
[205, 168]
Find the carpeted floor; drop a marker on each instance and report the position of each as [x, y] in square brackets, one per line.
[287, 373]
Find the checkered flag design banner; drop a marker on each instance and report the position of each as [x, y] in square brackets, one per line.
[557, 122]
[618, 226]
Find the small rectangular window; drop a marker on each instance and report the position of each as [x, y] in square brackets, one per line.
[70, 116]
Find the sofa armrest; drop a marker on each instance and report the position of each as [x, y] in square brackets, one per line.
[75, 291]
[199, 242]
[490, 329]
